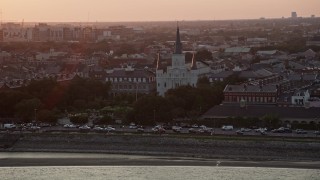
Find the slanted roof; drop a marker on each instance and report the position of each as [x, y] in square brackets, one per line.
[309, 53]
[267, 52]
[305, 77]
[223, 74]
[224, 111]
[237, 50]
[250, 88]
[131, 74]
[264, 73]
[248, 74]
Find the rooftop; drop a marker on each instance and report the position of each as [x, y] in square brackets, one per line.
[260, 111]
[250, 88]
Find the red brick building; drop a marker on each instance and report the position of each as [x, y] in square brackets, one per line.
[251, 94]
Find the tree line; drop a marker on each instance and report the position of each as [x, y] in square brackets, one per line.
[46, 99]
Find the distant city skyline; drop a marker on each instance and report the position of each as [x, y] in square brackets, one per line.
[151, 10]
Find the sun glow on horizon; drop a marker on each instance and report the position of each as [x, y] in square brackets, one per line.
[152, 10]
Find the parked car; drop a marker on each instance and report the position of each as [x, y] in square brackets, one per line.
[239, 132]
[84, 127]
[203, 126]
[259, 130]
[166, 127]
[282, 130]
[201, 131]
[34, 128]
[98, 128]
[110, 129]
[301, 131]
[208, 130]
[70, 126]
[227, 127]
[192, 130]
[44, 125]
[316, 132]
[176, 129]
[194, 126]
[140, 129]
[133, 127]
[9, 126]
[158, 129]
[263, 132]
[245, 129]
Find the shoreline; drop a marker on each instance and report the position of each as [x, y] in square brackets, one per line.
[163, 150]
[30, 159]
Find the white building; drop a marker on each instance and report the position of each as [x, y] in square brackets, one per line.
[179, 73]
[300, 98]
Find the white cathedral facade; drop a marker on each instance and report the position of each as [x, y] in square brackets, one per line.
[179, 73]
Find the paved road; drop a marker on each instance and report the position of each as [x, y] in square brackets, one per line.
[148, 130]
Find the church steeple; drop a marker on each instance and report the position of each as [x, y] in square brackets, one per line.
[194, 63]
[178, 45]
[158, 60]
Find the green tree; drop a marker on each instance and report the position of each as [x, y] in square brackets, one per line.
[26, 108]
[79, 119]
[105, 120]
[46, 116]
[152, 109]
[272, 120]
[8, 101]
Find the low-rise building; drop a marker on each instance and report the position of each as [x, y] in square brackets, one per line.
[285, 114]
[300, 98]
[131, 81]
[250, 94]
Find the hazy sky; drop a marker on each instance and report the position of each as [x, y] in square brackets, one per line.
[152, 10]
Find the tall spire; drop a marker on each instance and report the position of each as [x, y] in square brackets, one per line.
[194, 63]
[158, 60]
[178, 45]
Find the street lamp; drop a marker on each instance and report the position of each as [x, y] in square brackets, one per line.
[35, 115]
[137, 86]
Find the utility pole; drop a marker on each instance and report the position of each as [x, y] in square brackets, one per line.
[137, 86]
[35, 115]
